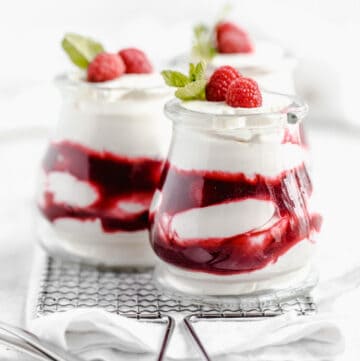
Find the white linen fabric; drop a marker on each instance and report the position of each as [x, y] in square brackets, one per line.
[95, 334]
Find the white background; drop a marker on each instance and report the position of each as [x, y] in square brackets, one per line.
[323, 34]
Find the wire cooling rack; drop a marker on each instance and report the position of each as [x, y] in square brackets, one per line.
[131, 292]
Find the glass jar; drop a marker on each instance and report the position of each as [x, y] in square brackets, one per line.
[269, 64]
[232, 213]
[101, 168]
[277, 76]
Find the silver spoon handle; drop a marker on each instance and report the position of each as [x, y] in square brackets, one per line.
[43, 348]
[16, 344]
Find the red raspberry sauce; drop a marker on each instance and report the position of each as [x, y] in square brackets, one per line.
[114, 179]
[184, 190]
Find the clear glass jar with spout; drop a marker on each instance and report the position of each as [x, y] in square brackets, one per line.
[232, 214]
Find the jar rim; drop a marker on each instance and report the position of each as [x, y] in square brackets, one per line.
[260, 117]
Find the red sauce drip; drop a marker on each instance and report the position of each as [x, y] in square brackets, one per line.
[114, 178]
[184, 190]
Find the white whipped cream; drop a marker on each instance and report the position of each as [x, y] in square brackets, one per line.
[67, 189]
[193, 150]
[292, 268]
[249, 141]
[131, 207]
[266, 55]
[271, 103]
[131, 135]
[129, 82]
[222, 220]
[126, 119]
[111, 249]
[268, 65]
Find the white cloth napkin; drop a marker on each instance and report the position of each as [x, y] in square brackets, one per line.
[94, 334]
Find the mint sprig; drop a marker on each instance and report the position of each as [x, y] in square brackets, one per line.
[191, 86]
[197, 72]
[80, 49]
[175, 78]
[192, 91]
[204, 43]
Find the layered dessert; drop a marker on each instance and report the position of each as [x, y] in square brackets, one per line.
[104, 161]
[227, 43]
[232, 212]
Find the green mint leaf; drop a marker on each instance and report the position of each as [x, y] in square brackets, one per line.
[200, 70]
[199, 29]
[81, 50]
[204, 44]
[192, 91]
[175, 78]
[192, 68]
[197, 72]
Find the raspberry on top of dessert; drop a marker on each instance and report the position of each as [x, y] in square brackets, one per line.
[232, 39]
[103, 66]
[225, 84]
[224, 37]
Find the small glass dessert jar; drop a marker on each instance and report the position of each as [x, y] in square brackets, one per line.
[232, 213]
[268, 64]
[229, 44]
[101, 168]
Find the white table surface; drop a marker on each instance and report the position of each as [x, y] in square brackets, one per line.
[336, 168]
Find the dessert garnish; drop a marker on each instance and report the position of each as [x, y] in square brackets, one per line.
[224, 38]
[225, 84]
[219, 83]
[204, 42]
[90, 55]
[136, 61]
[231, 39]
[191, 86]
[80, 49]
[105, 67]
[245, 93]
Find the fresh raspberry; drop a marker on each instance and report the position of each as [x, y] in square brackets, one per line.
[136, 61]
[219, 82]
[105, 67]
[245, 93]
[226, 26]
[232, 39]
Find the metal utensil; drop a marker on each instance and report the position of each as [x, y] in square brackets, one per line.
[15, 344]
[30, 343]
